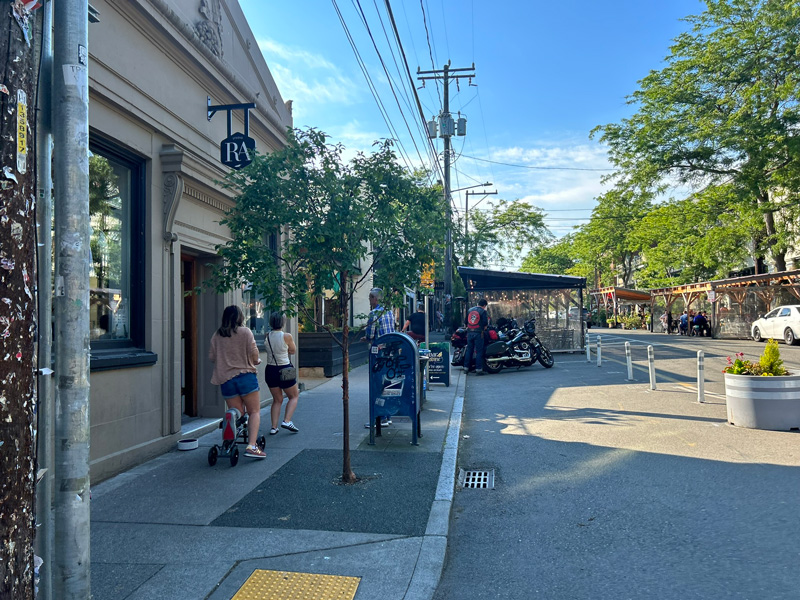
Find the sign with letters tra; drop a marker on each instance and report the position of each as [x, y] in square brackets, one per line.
[236, 151]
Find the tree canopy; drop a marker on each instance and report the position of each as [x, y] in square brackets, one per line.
[723, 112]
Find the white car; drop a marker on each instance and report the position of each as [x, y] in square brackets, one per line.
[780, 323]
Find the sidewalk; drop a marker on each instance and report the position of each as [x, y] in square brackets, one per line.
[175, 527]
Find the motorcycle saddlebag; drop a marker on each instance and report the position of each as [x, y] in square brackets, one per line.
[495, 348]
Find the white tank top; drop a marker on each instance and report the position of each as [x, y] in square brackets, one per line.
[279, 353]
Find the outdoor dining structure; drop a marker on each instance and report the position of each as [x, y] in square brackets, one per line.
[555, 301]
[732, 304]
[617, 300]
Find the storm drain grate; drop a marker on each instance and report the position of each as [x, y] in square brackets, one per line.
[476, 479]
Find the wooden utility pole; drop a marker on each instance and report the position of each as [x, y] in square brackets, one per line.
[17, 300]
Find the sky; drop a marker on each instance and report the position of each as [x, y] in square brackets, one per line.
[546, 74]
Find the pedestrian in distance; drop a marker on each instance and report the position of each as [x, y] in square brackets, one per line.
[234, 353]
[415, 324]
[477, 322]
[279, 367]
[379, 322]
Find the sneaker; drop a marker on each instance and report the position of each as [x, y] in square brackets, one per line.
[254, 452]
[290, 426]
[386, 422]
[480, 372]
[273, 431]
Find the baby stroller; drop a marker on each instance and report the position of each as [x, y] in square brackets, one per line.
[234, 429]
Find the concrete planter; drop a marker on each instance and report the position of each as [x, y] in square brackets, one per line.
[763, 402]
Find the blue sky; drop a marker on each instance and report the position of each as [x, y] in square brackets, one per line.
[546, 74]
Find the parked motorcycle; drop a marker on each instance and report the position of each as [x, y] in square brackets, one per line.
[513, 348]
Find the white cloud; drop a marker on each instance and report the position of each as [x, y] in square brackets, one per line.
[310, 80]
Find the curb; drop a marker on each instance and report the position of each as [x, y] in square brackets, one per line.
[430, 562]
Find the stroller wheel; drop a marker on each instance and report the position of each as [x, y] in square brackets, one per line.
[262, 442]
[213, 453]
[234, 456]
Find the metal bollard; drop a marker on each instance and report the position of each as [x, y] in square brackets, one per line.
[628, 359]
[701, 379]
[599, 351]
[651, 359]
[588, 349]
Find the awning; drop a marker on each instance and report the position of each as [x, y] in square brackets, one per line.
[627, 295]
[476, 280]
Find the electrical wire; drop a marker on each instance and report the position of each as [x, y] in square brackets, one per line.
[389, 78]
[496, 162]
[371, 86]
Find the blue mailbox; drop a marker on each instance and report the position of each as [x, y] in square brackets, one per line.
[394, 382]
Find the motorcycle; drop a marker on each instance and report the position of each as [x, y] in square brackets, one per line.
[513, 348]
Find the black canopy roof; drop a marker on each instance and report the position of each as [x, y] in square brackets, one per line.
[476, 280]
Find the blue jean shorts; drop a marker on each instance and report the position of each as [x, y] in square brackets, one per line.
[241, 385]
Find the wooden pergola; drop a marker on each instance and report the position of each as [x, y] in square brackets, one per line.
[766, 287]
[617, 296]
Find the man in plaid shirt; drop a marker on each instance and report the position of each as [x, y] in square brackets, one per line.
[380, 321]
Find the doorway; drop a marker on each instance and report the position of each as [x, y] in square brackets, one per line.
[189, 336]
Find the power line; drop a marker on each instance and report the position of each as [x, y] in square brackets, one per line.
[496, 162]
[372, 87]
[389, 78]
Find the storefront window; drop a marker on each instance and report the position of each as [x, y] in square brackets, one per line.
[115, 277]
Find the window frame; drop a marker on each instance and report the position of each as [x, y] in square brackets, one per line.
[130, 352]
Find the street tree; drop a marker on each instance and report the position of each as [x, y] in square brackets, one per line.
[341, 225]
[502, 233]
[695, 239]
[555, 258]
[18, 307]
[724, 110]
[604, 246]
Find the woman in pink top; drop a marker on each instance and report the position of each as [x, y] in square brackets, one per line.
[235, 356]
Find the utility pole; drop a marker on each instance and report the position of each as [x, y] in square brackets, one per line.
[466, 213]
[448, 129]
[44, 430]
[71, 303]
[18, 306]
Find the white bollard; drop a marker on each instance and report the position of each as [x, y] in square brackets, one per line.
[588, 349]
[628, 359]
[599, 351]
[651, 359]
[701, 379]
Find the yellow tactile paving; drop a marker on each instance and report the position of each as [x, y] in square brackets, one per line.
[288, 585]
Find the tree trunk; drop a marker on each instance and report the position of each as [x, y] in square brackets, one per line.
[344, 285]
[777, 251]
[18, 307]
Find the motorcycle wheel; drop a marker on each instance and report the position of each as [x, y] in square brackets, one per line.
[545, 357]
[492, 367]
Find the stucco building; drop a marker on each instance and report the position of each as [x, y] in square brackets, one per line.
[154, 66]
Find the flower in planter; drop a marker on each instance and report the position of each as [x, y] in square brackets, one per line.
[769, 365]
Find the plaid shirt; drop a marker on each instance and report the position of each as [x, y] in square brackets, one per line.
[380, 321]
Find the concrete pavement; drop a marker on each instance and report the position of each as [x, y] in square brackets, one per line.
[175, 527]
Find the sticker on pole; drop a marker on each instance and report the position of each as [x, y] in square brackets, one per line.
[22, 132]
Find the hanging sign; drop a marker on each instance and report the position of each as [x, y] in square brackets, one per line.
[236, 150]
[22, 132]
[426, 280]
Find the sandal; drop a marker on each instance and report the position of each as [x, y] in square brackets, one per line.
[273, 431]
[254, 452]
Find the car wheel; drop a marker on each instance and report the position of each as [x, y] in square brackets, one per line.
[788, 336]
[757, 334]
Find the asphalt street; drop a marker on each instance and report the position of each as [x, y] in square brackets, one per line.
[607, 489]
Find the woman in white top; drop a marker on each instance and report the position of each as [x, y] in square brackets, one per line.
[279, 346]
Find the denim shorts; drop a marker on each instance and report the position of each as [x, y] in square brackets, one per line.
[241, 385]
